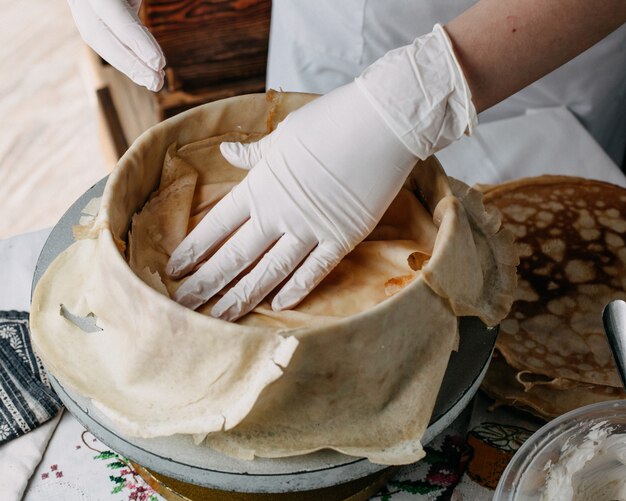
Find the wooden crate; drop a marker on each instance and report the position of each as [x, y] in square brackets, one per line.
[214, 49]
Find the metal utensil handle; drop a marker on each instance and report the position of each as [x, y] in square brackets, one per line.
[614, 317]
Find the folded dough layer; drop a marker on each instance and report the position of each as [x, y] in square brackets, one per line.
[355, 367]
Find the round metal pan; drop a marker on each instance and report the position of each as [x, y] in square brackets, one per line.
[179, 458]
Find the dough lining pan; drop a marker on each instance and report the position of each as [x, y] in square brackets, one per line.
[177, 457]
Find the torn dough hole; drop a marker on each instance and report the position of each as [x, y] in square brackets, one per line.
[86, 324]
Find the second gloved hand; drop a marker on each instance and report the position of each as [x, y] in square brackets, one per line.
[322, 180]
[113, 29]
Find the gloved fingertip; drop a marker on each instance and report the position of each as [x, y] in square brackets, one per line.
[188, 299]
[182, 260]
[219, 314]
[172, 269]
[234, 153]
[226, 309]
[277, 305]
[143, 44]
[284, 301]
[155, 60]
[155, 82]
[151, 80]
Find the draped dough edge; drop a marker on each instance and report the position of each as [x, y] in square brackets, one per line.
[125, 338]
[283, 422]
[466, 232]
[82, 293]
[484, 281]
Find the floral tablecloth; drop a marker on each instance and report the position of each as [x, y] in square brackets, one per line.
[464, 463]
[77, 466]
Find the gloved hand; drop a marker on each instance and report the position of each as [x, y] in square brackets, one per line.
[113, 30]
[322, 180]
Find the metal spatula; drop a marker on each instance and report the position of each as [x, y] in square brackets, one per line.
[614, 317]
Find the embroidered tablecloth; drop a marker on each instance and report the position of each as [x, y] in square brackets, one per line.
[464, 462]
[26, 399]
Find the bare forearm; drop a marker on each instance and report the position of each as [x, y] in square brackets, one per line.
[505, 45]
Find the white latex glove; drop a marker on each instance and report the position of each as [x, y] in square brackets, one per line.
[322, 180]
[113, 29]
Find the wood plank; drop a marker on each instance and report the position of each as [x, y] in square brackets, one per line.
[112, 121]
[175, 102]
[211, 42]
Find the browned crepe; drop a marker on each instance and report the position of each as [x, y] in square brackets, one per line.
[544, 397]
[356, 367]
[570, 234]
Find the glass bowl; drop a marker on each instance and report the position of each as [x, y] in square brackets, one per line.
[525, 476]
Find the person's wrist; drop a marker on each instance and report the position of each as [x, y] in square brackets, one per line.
[420, 92]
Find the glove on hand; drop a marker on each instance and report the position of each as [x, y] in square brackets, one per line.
[113, 30]
[322, 180]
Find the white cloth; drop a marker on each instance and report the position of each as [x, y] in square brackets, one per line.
[18, 257]
[20, 457]
[507, 149]
[317, 46]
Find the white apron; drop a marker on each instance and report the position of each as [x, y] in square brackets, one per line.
[317, 45]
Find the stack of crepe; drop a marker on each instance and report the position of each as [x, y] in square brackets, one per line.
[552, 355]
[355, 367]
